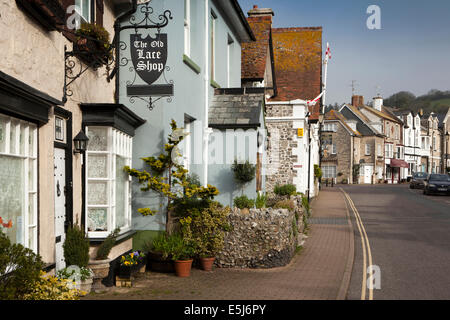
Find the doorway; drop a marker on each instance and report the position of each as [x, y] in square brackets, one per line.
[62, 161]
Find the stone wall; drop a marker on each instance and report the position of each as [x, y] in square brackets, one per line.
[280, 158]
[262, 238]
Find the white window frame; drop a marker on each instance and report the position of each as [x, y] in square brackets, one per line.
[367, 149]
[62, 123]
[119, 144]
[389, 150]
[86, 16]
[333, 148]
[379, 151]
[329, 172]
[329, 127]
[21, 131]
[187, 27]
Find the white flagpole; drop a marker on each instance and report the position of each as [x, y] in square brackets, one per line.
[324, 88]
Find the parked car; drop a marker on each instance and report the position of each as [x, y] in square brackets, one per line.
[437, 183]
[417, 180]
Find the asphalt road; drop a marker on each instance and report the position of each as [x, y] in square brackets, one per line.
[409, 240]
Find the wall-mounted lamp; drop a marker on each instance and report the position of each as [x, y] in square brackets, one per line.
[80, 142]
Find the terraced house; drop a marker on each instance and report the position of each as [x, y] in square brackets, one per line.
[385, 122]
[368, 148]
[411, 138]
[198, 43]
[288, 63]
[51, 89]
[339, 137]
[432, 138]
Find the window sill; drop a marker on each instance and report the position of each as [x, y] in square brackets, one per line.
[191, 64]
[214, 84]
[120, 238]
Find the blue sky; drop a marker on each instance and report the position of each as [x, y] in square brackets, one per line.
[410, 52]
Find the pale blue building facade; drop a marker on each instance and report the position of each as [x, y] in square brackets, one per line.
[203, 50]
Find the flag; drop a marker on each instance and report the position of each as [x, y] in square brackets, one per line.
[327, 53]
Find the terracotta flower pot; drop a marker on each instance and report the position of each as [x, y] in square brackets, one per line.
[183, 268]
[207, 263]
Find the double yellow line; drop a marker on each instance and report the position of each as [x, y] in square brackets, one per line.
[367, 255]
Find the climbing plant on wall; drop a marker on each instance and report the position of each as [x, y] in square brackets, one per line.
[168, 177]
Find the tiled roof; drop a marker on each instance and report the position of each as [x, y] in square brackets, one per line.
[254, 53]
[298, 64]
[236, 110]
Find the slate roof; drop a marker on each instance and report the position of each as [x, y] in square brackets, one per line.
[363, 126]
[254, 53]
[382, 114]
[236, 110]
[336, 115]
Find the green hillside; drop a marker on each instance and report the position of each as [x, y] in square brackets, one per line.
[434, 101]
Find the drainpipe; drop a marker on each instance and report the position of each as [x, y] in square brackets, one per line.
[206, 130]
[309, 159]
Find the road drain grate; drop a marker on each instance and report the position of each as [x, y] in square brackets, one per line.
[330, 220]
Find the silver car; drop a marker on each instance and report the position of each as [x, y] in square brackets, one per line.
[417, 181]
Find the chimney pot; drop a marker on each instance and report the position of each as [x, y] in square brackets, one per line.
[255, 6]
[357, 101]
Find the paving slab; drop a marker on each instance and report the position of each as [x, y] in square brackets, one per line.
[318, 272]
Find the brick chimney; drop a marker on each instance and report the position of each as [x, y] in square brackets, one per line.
[260, 12]
[357, 101]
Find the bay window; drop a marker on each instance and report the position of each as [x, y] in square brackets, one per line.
[18, 180]
[329, 171]
[108, 192]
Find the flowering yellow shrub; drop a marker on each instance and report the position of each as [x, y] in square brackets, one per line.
[52, 288]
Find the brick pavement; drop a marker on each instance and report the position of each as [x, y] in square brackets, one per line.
[316, 273]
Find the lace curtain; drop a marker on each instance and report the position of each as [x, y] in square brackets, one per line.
[12, 195]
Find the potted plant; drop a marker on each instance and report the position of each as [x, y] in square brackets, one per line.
[131, 263]
[92, 44]
[100, 265]
[182, 252]
[244, 173]
[76, 256]
[206, 228]
[82, 276]
[158, 254]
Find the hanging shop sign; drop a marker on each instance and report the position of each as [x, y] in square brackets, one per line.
[149, 55]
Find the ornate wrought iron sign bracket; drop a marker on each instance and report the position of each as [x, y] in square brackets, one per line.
[85, 55]
[147, 54]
